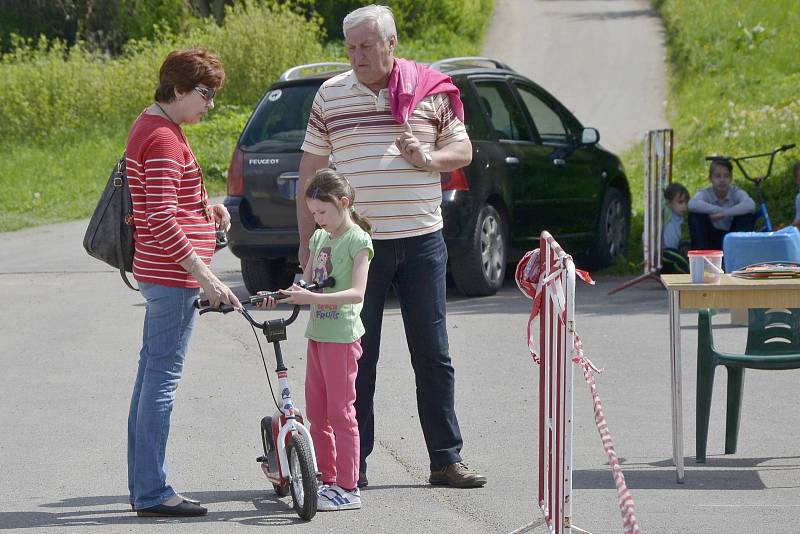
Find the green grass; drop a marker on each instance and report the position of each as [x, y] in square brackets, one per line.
[61, 179]
[56, 182]
[734, 72]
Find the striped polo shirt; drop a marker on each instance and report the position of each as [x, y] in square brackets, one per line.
[355, 127]
[167, 194]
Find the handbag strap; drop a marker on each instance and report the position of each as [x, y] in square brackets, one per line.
[122, 222]
[124, 276]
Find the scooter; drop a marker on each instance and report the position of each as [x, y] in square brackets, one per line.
[288, 461]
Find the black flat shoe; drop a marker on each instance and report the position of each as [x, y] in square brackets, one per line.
[187, 499]
[182, 509]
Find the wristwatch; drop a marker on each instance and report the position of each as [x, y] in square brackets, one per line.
[428, 160]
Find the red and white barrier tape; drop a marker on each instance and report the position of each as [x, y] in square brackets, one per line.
[629, 522]
[530, 283]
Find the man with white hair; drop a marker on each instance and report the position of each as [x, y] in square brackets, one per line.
[391, 126]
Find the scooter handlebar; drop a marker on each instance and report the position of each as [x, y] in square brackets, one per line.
[781, 148]
[277, 295]
[205, 306]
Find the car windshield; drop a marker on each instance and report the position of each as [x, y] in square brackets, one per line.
[279, 122]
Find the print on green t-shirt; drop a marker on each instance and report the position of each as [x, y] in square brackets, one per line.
[336, 323]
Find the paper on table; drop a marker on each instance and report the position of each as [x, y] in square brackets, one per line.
[775, 269]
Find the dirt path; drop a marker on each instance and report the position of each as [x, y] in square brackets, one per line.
[604, 59]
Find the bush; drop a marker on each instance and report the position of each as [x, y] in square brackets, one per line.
[256, 44]
[414, 18]
[437, 44]
[51, 89]
[426, 18]
[213, 141]
[145, 19]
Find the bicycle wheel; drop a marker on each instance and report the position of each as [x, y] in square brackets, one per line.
[303, 478]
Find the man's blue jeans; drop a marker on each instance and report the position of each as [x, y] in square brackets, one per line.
[416, 267]
[168, 321]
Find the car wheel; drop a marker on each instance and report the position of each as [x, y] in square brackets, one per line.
[266, 275]
[611, 238]
[480, 270]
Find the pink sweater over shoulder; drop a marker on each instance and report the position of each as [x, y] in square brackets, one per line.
[410, 82]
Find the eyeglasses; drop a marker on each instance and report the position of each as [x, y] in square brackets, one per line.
[206, 93]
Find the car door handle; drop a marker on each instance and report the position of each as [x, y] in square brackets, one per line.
[559, 162]
[511, 160]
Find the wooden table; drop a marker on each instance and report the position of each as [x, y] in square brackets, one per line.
[731, 292]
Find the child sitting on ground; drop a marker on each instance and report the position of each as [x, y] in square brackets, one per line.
[673, 257]
[719, 209]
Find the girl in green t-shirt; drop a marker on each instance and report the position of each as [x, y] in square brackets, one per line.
[341, 248]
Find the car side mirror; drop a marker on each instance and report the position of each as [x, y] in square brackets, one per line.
[590, 136]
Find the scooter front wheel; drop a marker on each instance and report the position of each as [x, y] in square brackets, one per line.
[303, 478]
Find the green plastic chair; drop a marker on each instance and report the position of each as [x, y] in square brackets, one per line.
[773, 342]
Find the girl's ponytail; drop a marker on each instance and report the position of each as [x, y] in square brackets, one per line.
[363, 222]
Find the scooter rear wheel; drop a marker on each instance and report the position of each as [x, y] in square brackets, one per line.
[269, 447]
[303, 483]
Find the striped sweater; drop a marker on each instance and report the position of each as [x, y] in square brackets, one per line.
[356, 128]
[167, 193]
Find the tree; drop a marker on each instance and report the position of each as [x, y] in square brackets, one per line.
[207, 8]
[102, 24]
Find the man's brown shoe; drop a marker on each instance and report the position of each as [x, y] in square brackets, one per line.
[458, 475]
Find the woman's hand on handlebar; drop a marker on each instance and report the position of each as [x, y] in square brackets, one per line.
[218, 293]
[215, 291]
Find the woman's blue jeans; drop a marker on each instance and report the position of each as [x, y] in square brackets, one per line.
[168, 322]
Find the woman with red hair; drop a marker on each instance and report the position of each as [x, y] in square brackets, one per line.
[175, 239]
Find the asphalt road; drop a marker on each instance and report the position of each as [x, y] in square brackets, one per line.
[70, 333]
[603, 59]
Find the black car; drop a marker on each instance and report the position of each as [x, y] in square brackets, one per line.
[534, 167]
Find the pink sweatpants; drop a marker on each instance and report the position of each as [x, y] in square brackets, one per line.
[330, 393]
